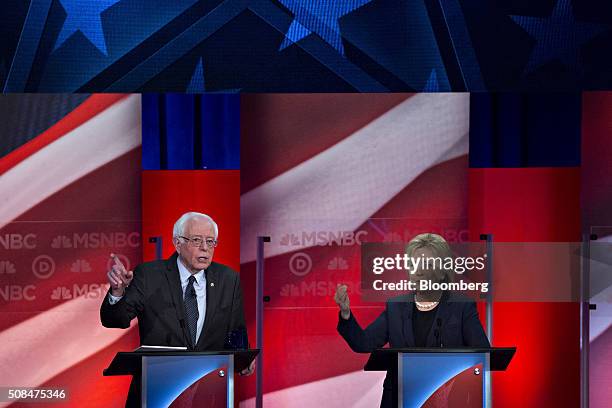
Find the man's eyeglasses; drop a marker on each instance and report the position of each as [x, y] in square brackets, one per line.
[197, 242]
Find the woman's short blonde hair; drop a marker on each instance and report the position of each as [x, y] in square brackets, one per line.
[438, 246]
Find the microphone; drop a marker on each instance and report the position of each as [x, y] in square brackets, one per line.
[187, 344]
[181, 319]
[438, 332]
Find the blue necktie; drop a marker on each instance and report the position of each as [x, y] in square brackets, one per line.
[191, 309]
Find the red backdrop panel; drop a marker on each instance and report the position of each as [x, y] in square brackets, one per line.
[166, 195]
[523, 205]
[596, 164]
[596, 205]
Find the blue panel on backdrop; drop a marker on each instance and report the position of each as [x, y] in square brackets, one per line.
[525, 130]
[185, 132]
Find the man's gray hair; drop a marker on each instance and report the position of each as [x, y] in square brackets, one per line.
[179, 225]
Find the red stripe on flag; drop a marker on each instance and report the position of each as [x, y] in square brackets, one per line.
[81, 114]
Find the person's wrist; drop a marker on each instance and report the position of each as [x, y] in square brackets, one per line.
[345, 314]
[117, 292]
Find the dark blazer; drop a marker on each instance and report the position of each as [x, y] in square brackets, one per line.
[155, 298]
[460, 328]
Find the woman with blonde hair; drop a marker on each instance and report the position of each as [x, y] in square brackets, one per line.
[420, 319]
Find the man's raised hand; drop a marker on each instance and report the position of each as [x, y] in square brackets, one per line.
[118, 277]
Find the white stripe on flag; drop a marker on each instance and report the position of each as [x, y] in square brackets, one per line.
[338, 189]
[108, 135]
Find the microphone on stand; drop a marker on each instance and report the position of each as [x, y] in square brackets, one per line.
[438, 332]
[182, 324]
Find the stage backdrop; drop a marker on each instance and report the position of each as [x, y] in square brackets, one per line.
[321, 174]
[597, 219]
[70, 188]
[70, 182]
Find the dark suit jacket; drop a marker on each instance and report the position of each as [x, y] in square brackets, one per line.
[155, 298]
[460, 328]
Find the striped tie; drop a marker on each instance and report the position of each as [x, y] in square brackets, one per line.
[191, 309]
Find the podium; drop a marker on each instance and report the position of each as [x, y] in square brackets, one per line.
[182, 378]
[442, 377]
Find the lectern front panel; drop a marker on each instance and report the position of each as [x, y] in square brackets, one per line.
[188, 381]
[435, 380]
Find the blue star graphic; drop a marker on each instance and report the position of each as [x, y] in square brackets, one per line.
[559, 36]
[84, 16]
[196, 84]
[320, 17]
[432, 84]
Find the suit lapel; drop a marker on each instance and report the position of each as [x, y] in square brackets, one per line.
[213, 288]
[176, 292]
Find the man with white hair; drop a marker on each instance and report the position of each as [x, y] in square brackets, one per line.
[185, 300]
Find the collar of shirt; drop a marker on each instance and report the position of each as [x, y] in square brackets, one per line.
[185, 274]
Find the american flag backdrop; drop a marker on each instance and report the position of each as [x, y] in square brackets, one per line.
[319, 174]
[70, 193]
[368, 167]
[372, 168]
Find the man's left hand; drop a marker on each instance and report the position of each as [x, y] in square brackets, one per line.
[249, 370]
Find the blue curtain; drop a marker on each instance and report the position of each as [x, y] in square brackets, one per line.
[184, 132]
[525, 130]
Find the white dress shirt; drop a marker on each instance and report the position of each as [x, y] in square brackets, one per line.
[200, 289]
